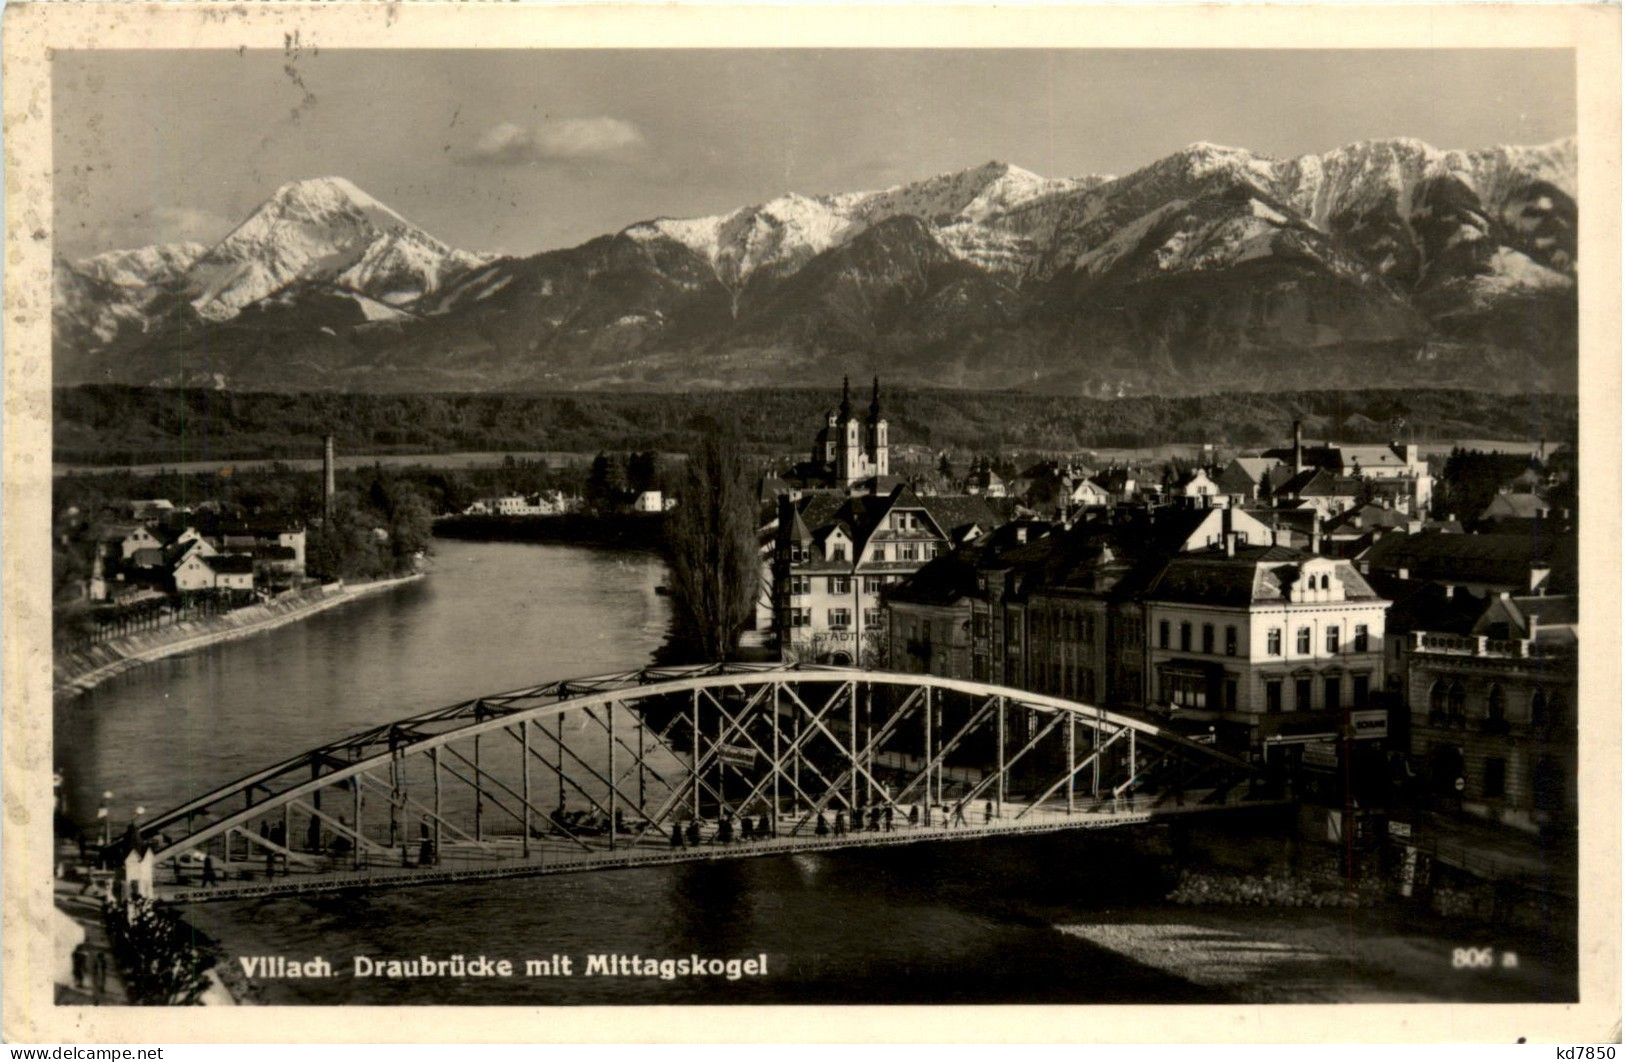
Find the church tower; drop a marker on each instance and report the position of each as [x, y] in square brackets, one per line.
[879, 456]
[852, 459]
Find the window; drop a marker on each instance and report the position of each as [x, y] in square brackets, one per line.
[1537, 708]
[1334, 693]
[1207, 638]
[1230, 641]
[1275, 641]
[840, 618]
[978, 625]
[800, 617]
[1303, 641]
[840, 584]
[1333, 638]
[837, 553]
[1362, 638]
[1303, 695]
[1362, 690]
[872, 618]
[1162, 633]
[1436, 695]
[1457, 702]
[1185, 691]
[1229, 695]
[906, 552]
[1272, 695]
[1495, 778]
[872, 584]
[1185, 637]
[800, 584]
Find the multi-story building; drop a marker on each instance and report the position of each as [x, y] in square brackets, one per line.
[1261, 641]
[1397, 470]
[1493, 702]
[1052, 610]
[835, 553]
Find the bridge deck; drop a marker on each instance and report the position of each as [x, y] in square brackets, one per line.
[557, 855]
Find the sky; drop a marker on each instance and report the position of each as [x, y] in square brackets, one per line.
[517, 152]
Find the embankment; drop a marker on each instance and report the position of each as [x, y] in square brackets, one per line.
[80, 669]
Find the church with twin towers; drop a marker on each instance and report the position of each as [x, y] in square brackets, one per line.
[849, 450]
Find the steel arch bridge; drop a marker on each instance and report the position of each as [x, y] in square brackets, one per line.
[668, 765]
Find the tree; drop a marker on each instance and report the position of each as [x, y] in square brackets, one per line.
[711, 546]
[643, 470]
[162, 961]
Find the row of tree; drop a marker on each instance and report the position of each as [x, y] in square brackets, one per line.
[114, 424]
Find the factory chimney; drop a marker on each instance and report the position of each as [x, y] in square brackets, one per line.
[328, 480]
[1297, 446]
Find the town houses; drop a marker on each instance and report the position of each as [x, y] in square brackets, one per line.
[188, 554]
[1276, 604]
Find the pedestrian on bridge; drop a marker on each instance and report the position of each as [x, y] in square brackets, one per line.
[822, 829]
[725, 829]
[676, 836]
[764, 829]
[874, 820]
[693, 833]
[959, 815]
[987, 811]
[913, 814]
[208, 870]
[840, 824]
[886, 815]
[747, 828]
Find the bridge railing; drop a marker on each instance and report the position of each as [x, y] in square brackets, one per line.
[664, 759]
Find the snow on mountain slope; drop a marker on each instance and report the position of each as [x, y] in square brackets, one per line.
[142, 267]
[96, 299]
[966, 207]
[326, 229]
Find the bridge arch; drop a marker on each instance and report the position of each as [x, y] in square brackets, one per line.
[662, 765]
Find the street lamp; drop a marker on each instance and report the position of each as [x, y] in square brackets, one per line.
[101, 813]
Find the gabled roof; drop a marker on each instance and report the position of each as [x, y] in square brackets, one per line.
[1319, 483]
[1365, 517]
[1517, 506]
[231, 563]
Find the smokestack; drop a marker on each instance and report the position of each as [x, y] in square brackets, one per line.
[328, 481]
[1297, 446]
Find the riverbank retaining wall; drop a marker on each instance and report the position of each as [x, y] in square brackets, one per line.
[78, 670]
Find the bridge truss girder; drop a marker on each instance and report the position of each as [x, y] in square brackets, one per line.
[664, 764]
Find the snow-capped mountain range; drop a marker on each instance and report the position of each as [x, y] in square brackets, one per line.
[1191, 272]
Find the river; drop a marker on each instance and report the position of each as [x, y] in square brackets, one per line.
[963, 922]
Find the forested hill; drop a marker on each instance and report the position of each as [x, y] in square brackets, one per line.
[108, 424]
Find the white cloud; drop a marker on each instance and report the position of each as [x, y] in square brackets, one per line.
[559, 140]
[503, 142]
[177, 223]
[580, 138]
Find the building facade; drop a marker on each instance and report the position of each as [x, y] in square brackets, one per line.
[1493, 711]
[1262, 641]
